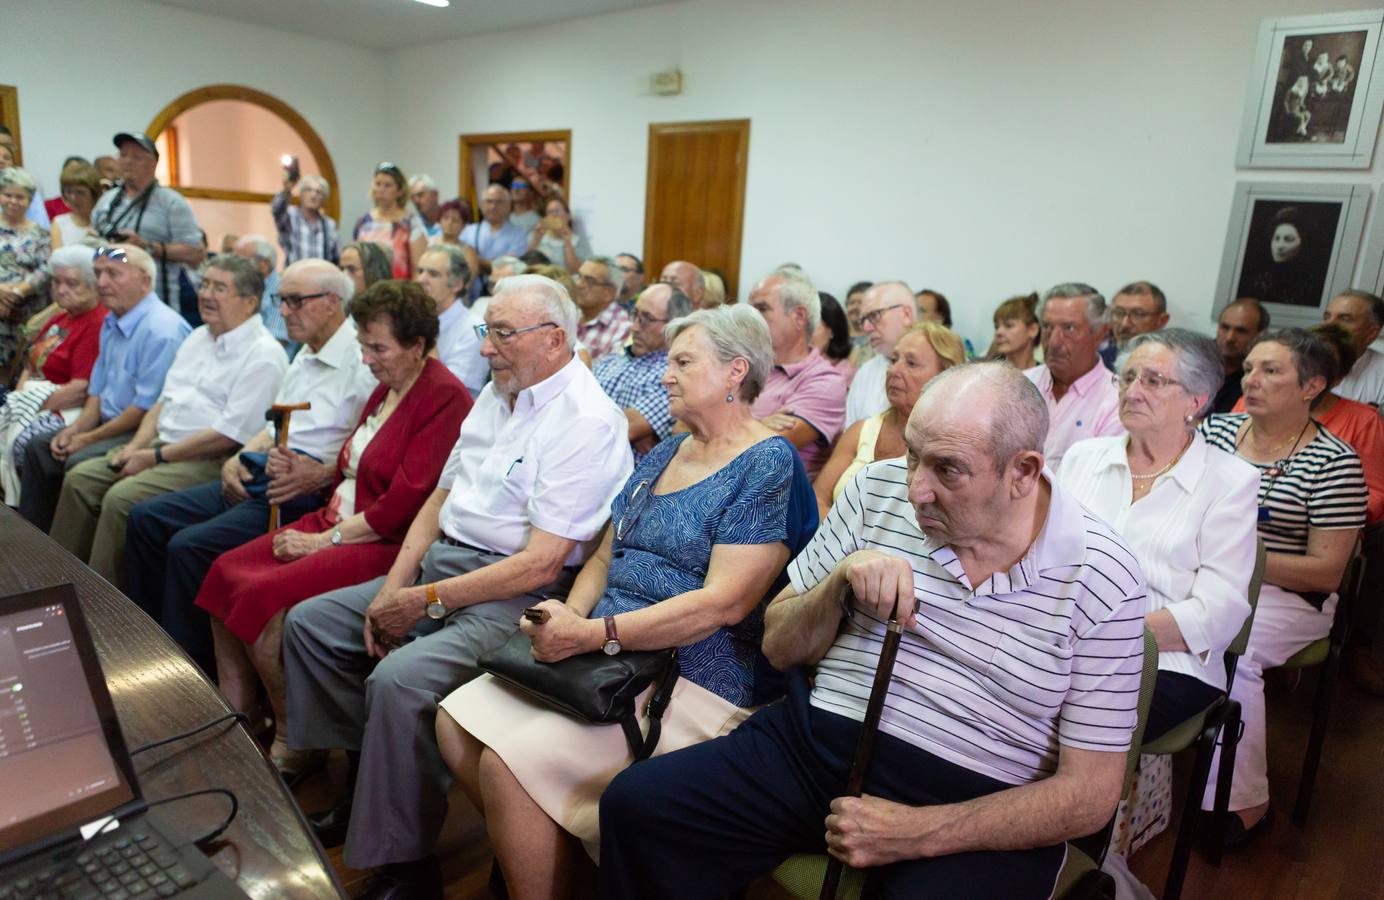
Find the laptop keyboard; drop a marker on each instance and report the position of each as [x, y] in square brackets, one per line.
[137, 866]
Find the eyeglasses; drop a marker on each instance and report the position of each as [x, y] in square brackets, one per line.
[585, 280]
[630, 516]
[1118, 314]
[1151, 380]
[505, 335]
[644, 319]
[115, 253]
[295, 301]
[872, 318]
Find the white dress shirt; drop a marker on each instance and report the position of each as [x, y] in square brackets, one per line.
[223, 383]
[337, 383]
[1365, 380]
[460, 349]
[554, 462]
[1193, 534]
[867, 397]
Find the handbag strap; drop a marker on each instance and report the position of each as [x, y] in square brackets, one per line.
[642, 746]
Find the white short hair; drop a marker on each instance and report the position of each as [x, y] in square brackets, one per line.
[796, 291]
[77, 257]
[318, 182]
[423, 181]
[559, 306]
[264, 250]
[736, 331]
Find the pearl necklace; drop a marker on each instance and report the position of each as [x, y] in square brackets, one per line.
[1165, 469]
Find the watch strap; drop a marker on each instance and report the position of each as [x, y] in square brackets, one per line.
[431, 590]
[610, 629]
[158, 454]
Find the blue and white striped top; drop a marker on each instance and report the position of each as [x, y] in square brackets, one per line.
[993, 678]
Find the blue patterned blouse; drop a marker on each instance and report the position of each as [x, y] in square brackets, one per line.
[663, 546]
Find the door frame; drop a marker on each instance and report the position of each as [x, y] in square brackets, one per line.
[466, 185]
[274, 105]
[742, 127]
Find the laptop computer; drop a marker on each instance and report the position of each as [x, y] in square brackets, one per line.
[65, 773]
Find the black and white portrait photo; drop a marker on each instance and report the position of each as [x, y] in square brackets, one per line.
[1287, 251]
[1317, 77]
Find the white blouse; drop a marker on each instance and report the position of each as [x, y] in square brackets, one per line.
[343, 503]
[1193, 534]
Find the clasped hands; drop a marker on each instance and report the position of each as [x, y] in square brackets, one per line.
[291, 475]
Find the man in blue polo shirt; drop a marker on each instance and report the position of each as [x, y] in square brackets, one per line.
[138, 341]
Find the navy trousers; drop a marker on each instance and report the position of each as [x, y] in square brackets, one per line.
[705, 821]
[1176, 698]
[171, 542]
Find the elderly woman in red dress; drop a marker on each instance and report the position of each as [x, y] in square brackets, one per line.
[386, 469]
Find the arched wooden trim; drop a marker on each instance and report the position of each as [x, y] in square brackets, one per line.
[274, 105]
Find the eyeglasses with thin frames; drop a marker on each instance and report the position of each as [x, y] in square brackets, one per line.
[1151, 380]
[295, 301]
[638, 500]
[505, 335]
[644, 319]
[1119, 314]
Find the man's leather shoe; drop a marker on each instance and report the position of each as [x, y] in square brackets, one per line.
[330, 824]
[417, 880]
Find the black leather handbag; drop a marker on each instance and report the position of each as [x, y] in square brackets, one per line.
[594, 687]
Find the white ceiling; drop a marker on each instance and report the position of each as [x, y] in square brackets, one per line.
[392, 24]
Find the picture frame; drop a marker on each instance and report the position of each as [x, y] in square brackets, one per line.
[1316, 92]
[1292, 246]
[1371, 276]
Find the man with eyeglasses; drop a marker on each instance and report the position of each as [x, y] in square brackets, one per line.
[495, 235]
[632, 268]
[886, 311]
[171, 541]
[213, 400]
[528, 487]
[139, 338]
[1082, 395]
[1136, 309]
[443, 273]
[633, 375]
[604, 322]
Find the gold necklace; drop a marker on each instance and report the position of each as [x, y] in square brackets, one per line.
[1165, 469]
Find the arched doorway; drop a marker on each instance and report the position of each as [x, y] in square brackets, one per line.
[220, 146]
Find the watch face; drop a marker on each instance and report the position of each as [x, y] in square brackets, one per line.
[436, 610]
[611, 647]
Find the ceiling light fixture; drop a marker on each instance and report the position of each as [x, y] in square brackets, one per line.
[437, 3]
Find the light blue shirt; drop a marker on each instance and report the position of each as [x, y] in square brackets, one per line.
[269, 310]
[136, 351]
[38, 213]
[491, 243]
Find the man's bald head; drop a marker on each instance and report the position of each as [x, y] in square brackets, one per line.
[992, 396]
[688, 279]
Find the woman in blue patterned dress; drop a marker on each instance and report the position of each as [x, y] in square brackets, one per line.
[698, 542]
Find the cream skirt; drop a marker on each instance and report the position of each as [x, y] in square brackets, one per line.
[565, 764]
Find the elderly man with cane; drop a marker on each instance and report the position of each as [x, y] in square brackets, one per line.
[1007, 720]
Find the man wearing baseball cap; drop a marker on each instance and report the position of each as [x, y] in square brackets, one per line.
[140, 211]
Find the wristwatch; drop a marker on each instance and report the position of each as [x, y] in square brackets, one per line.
[336, 536]
[158, 455]
[612, 641]
[435, 608]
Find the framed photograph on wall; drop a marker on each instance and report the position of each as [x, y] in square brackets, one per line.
[1316, 92]
[1291, 246]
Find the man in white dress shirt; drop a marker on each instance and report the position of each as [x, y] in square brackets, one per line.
[213, 400]
[1083, 399]
[886, 312]
[519, 507]
[1362, 314]
[172, 540]
[443, 273]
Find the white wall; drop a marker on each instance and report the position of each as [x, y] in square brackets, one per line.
[86, 69]
[983, 149]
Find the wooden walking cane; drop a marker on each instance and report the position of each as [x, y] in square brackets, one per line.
[865, 747]
[279, 414]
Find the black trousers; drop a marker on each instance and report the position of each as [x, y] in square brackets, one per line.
[170, 543]
[705, 821]
[1176, 698]
[41, 476]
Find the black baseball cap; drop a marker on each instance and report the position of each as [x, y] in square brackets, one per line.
[137, 137]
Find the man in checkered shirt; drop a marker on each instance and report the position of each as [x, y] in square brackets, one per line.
[632, 375]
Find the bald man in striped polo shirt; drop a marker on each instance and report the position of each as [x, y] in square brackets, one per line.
[1012, 702]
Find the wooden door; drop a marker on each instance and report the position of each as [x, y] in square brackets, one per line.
[695, 203]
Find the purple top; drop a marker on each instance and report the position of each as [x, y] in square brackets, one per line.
[814, 391]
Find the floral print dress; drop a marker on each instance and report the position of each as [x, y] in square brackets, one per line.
[24, 253]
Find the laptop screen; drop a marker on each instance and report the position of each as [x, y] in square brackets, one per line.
[56, 767]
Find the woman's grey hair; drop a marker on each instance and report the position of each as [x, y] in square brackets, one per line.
[20, 178]
[737, 332]
[76, 257]
[1018, 413]
[796, 291]
[561, 310]
[244, 275]
[1312, 356]
[1067, 290]
[316, 181]
[1197, 362]
[613, 276]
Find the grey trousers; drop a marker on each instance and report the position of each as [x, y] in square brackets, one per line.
[340, 697]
